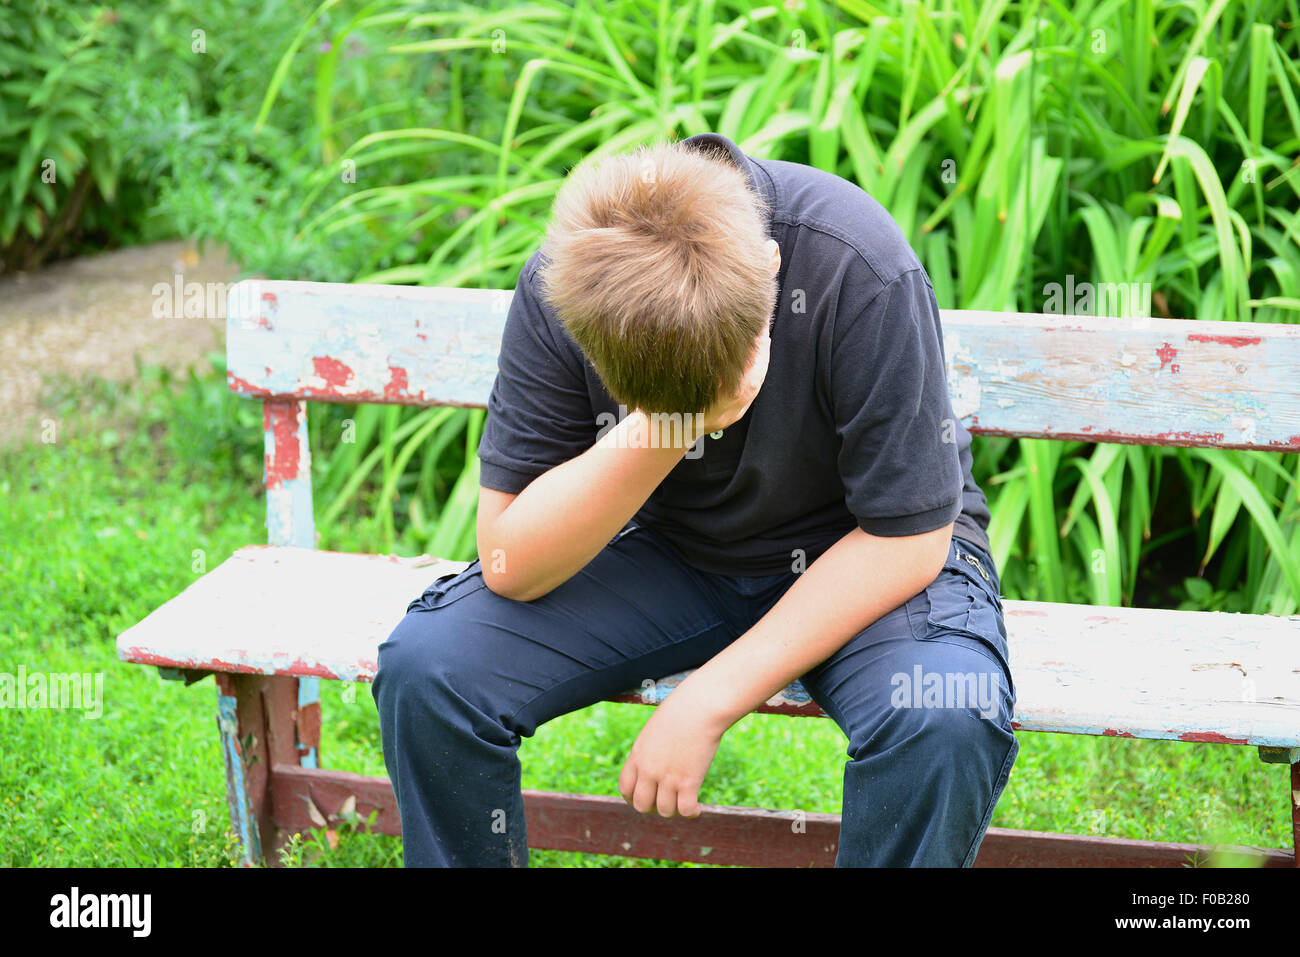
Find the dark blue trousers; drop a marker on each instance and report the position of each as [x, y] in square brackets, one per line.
[924, 696]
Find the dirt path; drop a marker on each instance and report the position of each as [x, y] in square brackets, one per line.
[92, 316]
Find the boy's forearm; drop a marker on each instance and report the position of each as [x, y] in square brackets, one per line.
[565, 516]
[858, 580]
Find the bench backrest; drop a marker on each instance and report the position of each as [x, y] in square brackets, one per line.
[1140, 381]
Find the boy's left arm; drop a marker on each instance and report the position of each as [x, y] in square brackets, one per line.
[901, 471]
[825, 608]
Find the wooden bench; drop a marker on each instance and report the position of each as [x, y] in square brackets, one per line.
[273, 620]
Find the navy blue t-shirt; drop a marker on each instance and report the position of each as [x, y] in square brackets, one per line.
[853, 425]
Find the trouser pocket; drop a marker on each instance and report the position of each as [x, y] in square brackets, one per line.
[962, 608]
[450, 587]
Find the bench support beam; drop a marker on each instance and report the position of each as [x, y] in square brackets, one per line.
[747, 837]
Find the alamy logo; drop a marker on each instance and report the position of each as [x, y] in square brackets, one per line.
[1117, 299]
[179, 299]
[84, 692]
[668, 430]
[102, 910]
[933, 689]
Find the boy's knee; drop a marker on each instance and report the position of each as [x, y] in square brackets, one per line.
[439, 668]
[413, 665]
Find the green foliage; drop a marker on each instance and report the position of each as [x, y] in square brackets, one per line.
[56, 150]
[106, 111]
[365, 453]
[1017, 145]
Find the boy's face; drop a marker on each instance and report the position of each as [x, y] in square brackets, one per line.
[756, 370]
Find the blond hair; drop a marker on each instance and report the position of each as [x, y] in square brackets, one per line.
[655, 263]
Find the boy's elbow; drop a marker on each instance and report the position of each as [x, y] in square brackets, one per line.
[502, 584]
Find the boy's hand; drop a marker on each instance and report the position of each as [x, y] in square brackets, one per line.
[731, 409]
[668, 762]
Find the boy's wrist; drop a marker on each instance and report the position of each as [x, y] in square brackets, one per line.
[670, 433]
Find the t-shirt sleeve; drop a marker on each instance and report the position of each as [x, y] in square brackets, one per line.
[539, 410]
[898, 457]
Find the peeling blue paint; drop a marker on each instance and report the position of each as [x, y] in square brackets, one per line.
[241, 812]
[308, 694]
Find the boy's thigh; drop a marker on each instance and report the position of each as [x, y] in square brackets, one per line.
[939, 660]
[634, 613]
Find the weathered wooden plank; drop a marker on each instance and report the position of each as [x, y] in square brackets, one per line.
[287, 474]
[285, 610]
[296, 792]
[593, 824]
[1149, 381]
[1005, 847]
[752, 837]
[1081, 669]
[337, 342]
[289, 516]
[722, 834]
[1144, 381]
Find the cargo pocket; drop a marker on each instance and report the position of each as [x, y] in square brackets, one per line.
[450, 588]
[959, 608]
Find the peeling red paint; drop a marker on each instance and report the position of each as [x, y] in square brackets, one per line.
[1209, 439]
[1235, 341]
[270, 297]
[309, 724]
[1204, 437]
[1114, 435]
[335, 373]
[1112, 733]
[1209, 737]
[364, 669]
[1024, 612]
[283, 464]
[397, 383]
[243, 386]
[1166, 354]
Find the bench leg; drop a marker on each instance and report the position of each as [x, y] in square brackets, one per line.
[264, 720]
[1295, 810]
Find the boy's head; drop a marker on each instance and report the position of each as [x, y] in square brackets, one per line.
[658, 265]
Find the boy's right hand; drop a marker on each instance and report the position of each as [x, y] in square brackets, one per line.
[729, 410]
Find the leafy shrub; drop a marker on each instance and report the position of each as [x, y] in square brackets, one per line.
[58, 155]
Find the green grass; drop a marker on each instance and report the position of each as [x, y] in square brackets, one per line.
[104, 524]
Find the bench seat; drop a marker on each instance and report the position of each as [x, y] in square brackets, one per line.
[1081, 669]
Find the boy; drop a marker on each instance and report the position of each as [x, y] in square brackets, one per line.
[808, 513]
